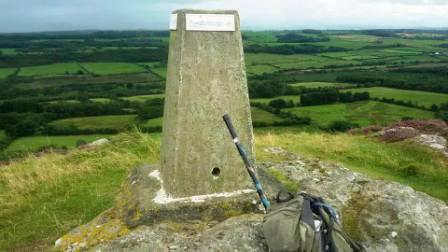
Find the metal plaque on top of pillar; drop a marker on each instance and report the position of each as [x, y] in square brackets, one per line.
[206, 78]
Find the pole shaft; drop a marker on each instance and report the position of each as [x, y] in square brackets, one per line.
[246, 161]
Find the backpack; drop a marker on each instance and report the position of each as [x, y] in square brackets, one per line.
[307, 224]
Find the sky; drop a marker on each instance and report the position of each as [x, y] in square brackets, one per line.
[58, 15]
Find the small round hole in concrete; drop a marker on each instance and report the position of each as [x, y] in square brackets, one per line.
[216, 171]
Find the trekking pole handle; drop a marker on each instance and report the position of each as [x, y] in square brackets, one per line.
[230, 126]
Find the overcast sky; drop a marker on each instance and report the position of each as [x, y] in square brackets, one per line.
[54, 15]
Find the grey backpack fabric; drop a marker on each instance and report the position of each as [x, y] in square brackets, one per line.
[307, 224]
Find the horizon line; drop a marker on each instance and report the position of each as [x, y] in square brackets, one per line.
[243, 30]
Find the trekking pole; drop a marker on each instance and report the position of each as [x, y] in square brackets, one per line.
[249, 167]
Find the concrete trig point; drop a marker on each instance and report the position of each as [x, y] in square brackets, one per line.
[201, 175]
[206, 79]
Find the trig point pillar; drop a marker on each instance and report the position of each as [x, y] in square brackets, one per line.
[206, 78]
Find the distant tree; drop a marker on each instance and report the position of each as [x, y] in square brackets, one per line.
[290, 104]
[278, 103]
[25, 127]
[325, 96]
[434, 108]
[311, 31]
[342, 126]
[151, 109]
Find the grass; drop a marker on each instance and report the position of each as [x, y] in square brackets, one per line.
[45, 197]
[116, 122]
[112, 68]
[294, 98]
[295, 61]
[3, 135]
[367, 155]
[260, 69]
[417, 97]
[5, 72]
[364, 113]
[143, 98]
[261, 116]
[151, 64]
[34, 143]
[161, 71]
[258, 116]
[321, 85]
[8, 51]
[64, 101]
[50, 70]
[155, 122]
[101, 100]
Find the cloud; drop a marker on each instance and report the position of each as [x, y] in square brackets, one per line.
[32, 15]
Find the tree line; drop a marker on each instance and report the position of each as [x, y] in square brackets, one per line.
[299, 38]
[25, 117]
[292, 49]
[328, 96]
[116, 55]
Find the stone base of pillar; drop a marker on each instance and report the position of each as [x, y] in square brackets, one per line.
[143, 201]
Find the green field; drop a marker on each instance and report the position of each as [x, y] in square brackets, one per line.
[157, 68]
[258, 116]
[34, 143]
[8, 51]
[161, 71]
[363, 113]
[115, 122]
[261, 116]
[3, 135]
[260, 69]
[294, 98]
[101, 100]
[259, 61]
[112, 68]
[155, 122]
[64, 101]
[5, 72]
[321, 85]
[142, 98]
[417, 97]
[151, 64]
[50, 70]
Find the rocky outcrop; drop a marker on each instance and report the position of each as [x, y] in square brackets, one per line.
[384, 216]
[241, 233]
[435, 142]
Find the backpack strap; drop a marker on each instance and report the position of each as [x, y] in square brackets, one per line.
[306, 215]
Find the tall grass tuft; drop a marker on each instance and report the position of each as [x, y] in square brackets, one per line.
[41, 198]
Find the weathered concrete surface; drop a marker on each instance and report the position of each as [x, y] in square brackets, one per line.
[206, 79]
[137, 203]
